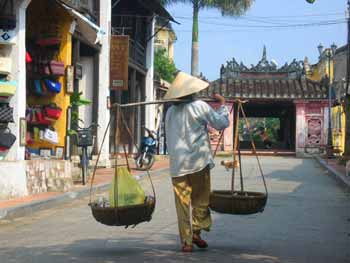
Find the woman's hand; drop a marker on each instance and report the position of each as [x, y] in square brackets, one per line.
[219, 98]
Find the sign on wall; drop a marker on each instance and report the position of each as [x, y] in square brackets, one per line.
[7, 36]
[119, 62]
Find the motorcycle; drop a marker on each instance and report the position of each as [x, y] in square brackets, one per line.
[145, 159]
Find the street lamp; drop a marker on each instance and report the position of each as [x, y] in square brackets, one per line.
[329, 53]
[320, 49]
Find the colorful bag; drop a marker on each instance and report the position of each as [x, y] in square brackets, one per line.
[7, 88]
[7, 139]
[5, 65]
[29, 139]
[8, 20]
[50, 41]
[51, 136]
[38, 89]
[53, 86]
[28, 58]
[53, 67]
[6, 114]
[40, 117]
[52, 112]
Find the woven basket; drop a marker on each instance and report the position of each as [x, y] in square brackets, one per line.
[124, 216]
[237, 202]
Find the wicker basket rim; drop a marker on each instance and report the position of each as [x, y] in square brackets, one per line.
[95, 206]
[228, 194]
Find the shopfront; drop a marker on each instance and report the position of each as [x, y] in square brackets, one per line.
[54, 52]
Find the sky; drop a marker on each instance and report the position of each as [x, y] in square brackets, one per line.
[266, 23]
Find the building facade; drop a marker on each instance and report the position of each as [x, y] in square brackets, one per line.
[54, 48]
[135, 21]
[283, 93]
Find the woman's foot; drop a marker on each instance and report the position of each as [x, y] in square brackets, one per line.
[199, 242]
[187, 248]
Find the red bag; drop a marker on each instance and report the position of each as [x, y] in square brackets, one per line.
[40, 118]
[3, 149]
[29, 139]
[53, 67]
[52, 112]
[28, 58]
[52, 41]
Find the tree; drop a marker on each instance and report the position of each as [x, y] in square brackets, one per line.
[227, 8]
[164, 68]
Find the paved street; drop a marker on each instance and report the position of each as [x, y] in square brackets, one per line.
[307, 219]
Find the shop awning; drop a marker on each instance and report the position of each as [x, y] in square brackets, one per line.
[158, 9]
[87, 28]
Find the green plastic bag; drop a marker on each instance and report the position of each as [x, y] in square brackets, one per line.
[129, 190]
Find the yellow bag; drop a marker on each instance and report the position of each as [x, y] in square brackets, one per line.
[129, 190]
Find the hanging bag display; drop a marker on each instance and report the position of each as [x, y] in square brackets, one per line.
[5, 65]
[51, 136]
[6, 113]
[53, 86]
[7, 20]
[52, 112]
[54, 68]
[7, 139]
[38, 90]
[7, 88]
[40, 117]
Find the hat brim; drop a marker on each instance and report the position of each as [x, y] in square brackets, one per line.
[185, 85]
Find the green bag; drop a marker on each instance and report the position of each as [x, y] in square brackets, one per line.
[129, 190]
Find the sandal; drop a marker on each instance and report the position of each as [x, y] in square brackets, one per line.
[199, 242]
[187, 248]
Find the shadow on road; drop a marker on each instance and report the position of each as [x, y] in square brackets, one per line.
[130, 250]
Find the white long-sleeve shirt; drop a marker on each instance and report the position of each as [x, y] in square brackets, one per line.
[187, 135]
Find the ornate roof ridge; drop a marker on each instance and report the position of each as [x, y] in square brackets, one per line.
[263, 66]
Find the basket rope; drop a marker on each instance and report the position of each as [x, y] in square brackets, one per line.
[236, 145]
[119, 113]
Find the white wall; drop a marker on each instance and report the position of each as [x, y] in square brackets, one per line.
[86, 86]
[13, 180]
[150, 109]
[103, 87]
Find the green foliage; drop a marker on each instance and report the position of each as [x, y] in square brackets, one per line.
[76, 101]
[227, 8]
[164, 68]
[272, 126]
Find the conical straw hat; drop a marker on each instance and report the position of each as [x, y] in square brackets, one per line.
[184, 85]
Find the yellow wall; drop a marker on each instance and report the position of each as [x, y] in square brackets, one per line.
[321, 69]
[318, 72]
[39, 14]
[166, 39]
[338, 132]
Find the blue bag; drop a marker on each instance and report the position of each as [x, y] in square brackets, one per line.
[53, 86]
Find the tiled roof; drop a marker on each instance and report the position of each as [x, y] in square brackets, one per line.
[299, 88]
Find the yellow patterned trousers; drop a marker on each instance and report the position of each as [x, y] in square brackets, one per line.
[192, 191]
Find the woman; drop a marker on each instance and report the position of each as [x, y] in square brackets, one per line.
[190, 155]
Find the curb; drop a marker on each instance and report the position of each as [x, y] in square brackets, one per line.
[341, 179]
[36, 206]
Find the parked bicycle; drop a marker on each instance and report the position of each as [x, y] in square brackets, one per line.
[84, 140]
